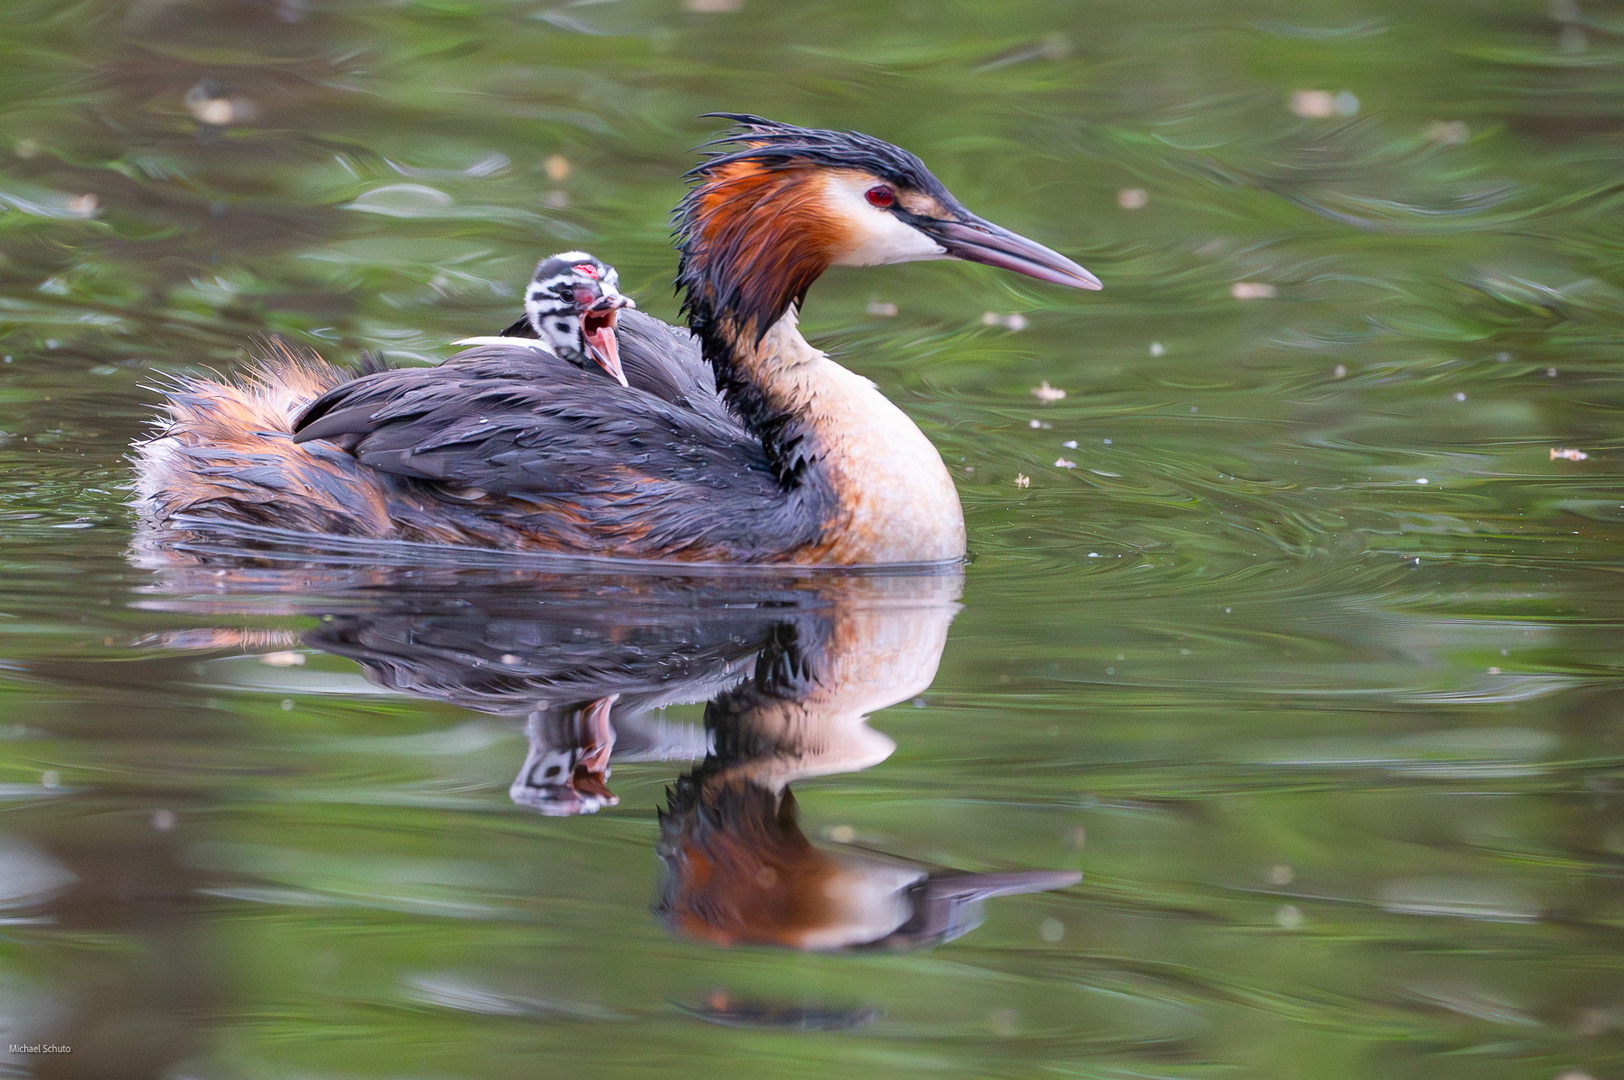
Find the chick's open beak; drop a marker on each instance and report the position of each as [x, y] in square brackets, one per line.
[977, 240]
[598, 332]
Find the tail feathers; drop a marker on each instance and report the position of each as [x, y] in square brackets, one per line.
[224, 450]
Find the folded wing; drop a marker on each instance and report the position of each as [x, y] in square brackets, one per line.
[524, 439]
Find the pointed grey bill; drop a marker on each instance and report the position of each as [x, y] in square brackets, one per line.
[976, 240]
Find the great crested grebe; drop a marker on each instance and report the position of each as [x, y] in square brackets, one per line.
[740, 443]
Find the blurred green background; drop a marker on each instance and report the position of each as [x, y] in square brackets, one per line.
[1294, 625]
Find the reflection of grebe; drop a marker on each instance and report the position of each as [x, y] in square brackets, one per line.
[772, 453]
[789, 668]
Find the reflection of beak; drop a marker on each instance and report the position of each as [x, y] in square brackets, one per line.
[598, 328]
[981, 241]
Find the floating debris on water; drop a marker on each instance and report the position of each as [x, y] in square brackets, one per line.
[1315, 104]
[557, 166]
[211, 105]
[1038, 424]
[1319, 104]
[1156, 348]
[1063, 463]
[1070, 444]
[84, 206]
[1420, 480]
[884, 310]
[1046, 393]
[1054, 46]
[1568, 455]
[1460, 395]
[557, 199]
[1014, 321]
[1449, 132]
[1339, 372]
[1022, 480]
[1253, 290]
[1132, 198]
[1550, 373]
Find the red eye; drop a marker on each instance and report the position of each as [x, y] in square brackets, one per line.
[880, 196]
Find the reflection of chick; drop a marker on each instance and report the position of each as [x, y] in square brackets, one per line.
[737, 868]
[566, 770]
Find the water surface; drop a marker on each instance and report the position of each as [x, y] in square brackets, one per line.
[1293, 627]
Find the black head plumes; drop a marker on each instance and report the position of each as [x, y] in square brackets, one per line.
[771, 144]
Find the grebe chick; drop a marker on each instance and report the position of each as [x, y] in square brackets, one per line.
[777, 454]
[570, 309]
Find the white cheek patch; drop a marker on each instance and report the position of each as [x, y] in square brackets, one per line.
[878, 238]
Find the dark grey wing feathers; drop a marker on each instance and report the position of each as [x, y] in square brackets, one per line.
[573, 459]
[666, 361]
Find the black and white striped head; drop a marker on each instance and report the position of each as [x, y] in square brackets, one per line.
[571, 305]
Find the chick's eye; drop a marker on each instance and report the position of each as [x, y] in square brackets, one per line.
[880, 196]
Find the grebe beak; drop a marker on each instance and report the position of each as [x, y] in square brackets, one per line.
[976, 240]
[598, 330]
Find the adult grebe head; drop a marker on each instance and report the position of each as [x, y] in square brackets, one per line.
[570, 307]
[775, 205]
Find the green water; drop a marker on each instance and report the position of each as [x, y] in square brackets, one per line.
[1305, 655]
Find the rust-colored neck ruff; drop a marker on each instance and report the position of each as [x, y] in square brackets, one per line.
[754, 238]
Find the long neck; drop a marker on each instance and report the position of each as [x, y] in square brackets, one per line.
[752, 244]
[828, 429]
